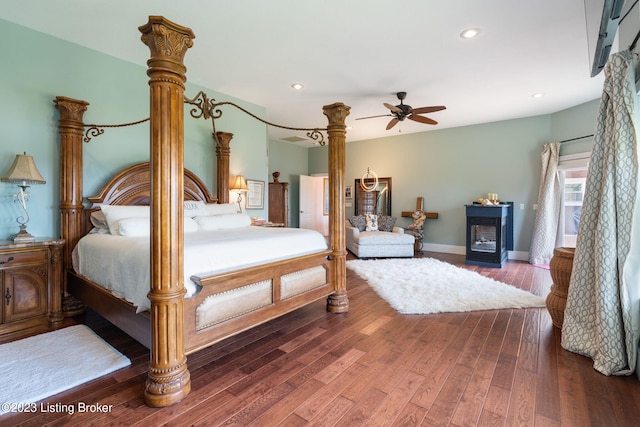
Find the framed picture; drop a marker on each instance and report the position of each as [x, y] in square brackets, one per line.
[325, 198]
[348, 192]
[255, 195]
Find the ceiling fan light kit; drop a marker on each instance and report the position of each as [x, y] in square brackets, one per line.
[403, 111]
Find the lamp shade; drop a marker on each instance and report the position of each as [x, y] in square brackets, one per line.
[23, 170]
[240, 184]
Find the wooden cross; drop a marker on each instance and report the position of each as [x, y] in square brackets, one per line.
[420, 207]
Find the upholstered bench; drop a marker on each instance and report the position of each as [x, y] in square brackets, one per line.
[378, 244]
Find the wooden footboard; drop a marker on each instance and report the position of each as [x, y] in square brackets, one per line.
[236, 301]
[226, 304]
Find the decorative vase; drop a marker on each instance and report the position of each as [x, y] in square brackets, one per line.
[560, 268]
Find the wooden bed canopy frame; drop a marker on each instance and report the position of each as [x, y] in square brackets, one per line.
[163, 183]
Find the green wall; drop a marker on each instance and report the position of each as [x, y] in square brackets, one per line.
[453, 167]
[38, 67]
[573, 123]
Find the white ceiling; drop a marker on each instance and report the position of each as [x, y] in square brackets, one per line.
[360, 52]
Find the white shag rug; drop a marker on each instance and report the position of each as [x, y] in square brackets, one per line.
[40, 366]
[427, 285]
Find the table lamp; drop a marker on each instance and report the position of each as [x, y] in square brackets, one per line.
[24, 172]
[240, 185]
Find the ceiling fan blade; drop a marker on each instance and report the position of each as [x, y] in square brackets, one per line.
[422, 119]
[392, 123]
[392, 107]
[373, 117]
[423, 110]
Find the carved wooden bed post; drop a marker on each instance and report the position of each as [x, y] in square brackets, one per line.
[223, 151]
[71, 129]
[168, 380]
[337, 302]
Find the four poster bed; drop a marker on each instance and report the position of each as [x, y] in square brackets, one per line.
[227, 299]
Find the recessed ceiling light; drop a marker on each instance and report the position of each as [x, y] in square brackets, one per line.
[470, 33]
[537, 95]
[297, 86]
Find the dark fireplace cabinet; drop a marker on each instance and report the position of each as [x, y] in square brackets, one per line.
[489, 234]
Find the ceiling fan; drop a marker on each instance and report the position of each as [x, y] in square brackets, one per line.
[403, 111]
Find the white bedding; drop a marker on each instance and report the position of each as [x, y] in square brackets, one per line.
[121, 264]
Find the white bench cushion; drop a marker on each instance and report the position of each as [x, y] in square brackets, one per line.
[383, 238]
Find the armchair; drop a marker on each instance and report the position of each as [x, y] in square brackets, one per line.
[378, 243]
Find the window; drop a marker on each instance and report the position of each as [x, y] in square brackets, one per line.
[572, 173]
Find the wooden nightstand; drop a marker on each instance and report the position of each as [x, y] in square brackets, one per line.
[31, 286]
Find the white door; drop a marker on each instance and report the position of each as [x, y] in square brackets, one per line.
[311, 204]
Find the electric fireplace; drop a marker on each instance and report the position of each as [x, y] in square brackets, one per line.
[489, 234]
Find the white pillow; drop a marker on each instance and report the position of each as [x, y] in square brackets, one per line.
[372, 222]
[133, 227]
[222, 222]
[115, 213]
[221, 209]
[194, 208]
[190, 225]
[99, 220]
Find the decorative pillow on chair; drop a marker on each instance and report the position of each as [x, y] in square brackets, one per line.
[372, 222]
[386, 223]
[358, 222]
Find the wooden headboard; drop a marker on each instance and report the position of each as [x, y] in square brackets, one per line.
[132, 186]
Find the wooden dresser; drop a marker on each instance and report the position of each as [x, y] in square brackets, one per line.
[31, 286]
[279, 203]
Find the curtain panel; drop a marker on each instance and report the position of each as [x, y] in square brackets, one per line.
[602, 314]
[545, 227]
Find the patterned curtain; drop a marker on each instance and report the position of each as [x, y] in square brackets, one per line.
[545, 228]
[603, 311]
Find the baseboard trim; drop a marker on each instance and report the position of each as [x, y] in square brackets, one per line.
[462, 250]
[445, 249]
[519, 255]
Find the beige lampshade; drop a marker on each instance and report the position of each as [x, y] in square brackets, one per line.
[240, 184]
[24, 170]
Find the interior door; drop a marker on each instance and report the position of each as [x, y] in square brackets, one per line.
[311, 214]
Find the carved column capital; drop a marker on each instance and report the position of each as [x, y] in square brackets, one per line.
[336, 114]
[223, 142]
[70, 109]
[168, 43]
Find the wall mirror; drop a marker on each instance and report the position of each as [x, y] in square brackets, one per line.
[377, 201]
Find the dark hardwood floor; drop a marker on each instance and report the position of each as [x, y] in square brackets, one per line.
[374, 367]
